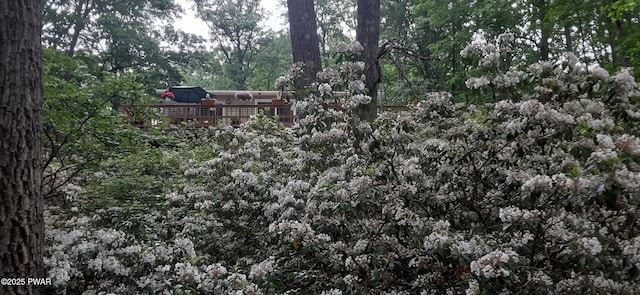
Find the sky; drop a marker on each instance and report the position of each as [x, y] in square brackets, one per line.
[191, 24]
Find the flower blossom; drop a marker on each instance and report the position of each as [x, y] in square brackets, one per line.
[537, 183]
[591, 245]
[492, 264]
[261, 270]
[352, 48]
[356, 100]
[624, 83]
[324, 88]
[477, 82]
[511, 214]
[600, 74]
[530, 107]
[281, 82]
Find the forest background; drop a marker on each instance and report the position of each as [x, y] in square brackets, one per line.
[425, 39]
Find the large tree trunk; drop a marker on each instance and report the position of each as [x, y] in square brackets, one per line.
[368, 34]
[21, 204]
[304, 39]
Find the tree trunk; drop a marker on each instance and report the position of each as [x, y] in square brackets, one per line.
[304, 39]
[568, 39]
[617, 39]
[81, 19]
[21, 204]
[368, 34]
[545, 32]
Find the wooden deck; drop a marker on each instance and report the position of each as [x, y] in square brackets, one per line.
[194, 115]
[197, 115]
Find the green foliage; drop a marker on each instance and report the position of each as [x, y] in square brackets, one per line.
[136, 180]
[237, 33]
[444, 32]
[116, 36]
[621, 8]
[601, 33]
[203, 69]
[335, 19]
[82, 125]
[270, 63]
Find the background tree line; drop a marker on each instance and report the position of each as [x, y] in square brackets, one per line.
[423, 38]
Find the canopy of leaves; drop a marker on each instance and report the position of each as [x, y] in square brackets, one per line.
[238, 32]
[118, 36]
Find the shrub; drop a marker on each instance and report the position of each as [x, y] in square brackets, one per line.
[536, 193]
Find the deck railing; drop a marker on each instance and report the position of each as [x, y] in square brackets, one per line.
[195, 115]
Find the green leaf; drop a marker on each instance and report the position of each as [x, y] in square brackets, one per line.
[575, 171]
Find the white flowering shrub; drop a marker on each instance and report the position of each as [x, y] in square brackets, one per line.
[536, 193]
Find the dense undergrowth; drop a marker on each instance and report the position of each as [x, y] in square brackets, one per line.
[536, 193]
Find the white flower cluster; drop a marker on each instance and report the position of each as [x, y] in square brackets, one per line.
[509, 79]
[244, 178]
[473, 247]
[261, 270]
[359, 247]
[513, 214]
[600, 74]
[353, 48]
[333, 291]
[295, 228]
[282, 82]
[324, 89]
[490, 54]
[474, 288]
[110, 237]
[537, 183]
[186, 246]
[493, 264]
[439, 237]
[356, 101]
[477, 82]
[540, 277]
[632, 251]
[606, 149]
[188, 273]
[591, 245]
[73, 192]
[351, 280]
[628, 144]
[625, 85]
[330, 76]
[531, 107]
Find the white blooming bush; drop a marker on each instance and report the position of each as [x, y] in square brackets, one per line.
[536, 193]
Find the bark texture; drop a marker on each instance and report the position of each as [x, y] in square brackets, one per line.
[368, 34]
[21, 204]
[304, 39]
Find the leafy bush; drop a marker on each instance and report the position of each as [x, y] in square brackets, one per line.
[536, 193]
[82, 126]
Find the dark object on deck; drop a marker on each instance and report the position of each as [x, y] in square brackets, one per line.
[189, 94]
